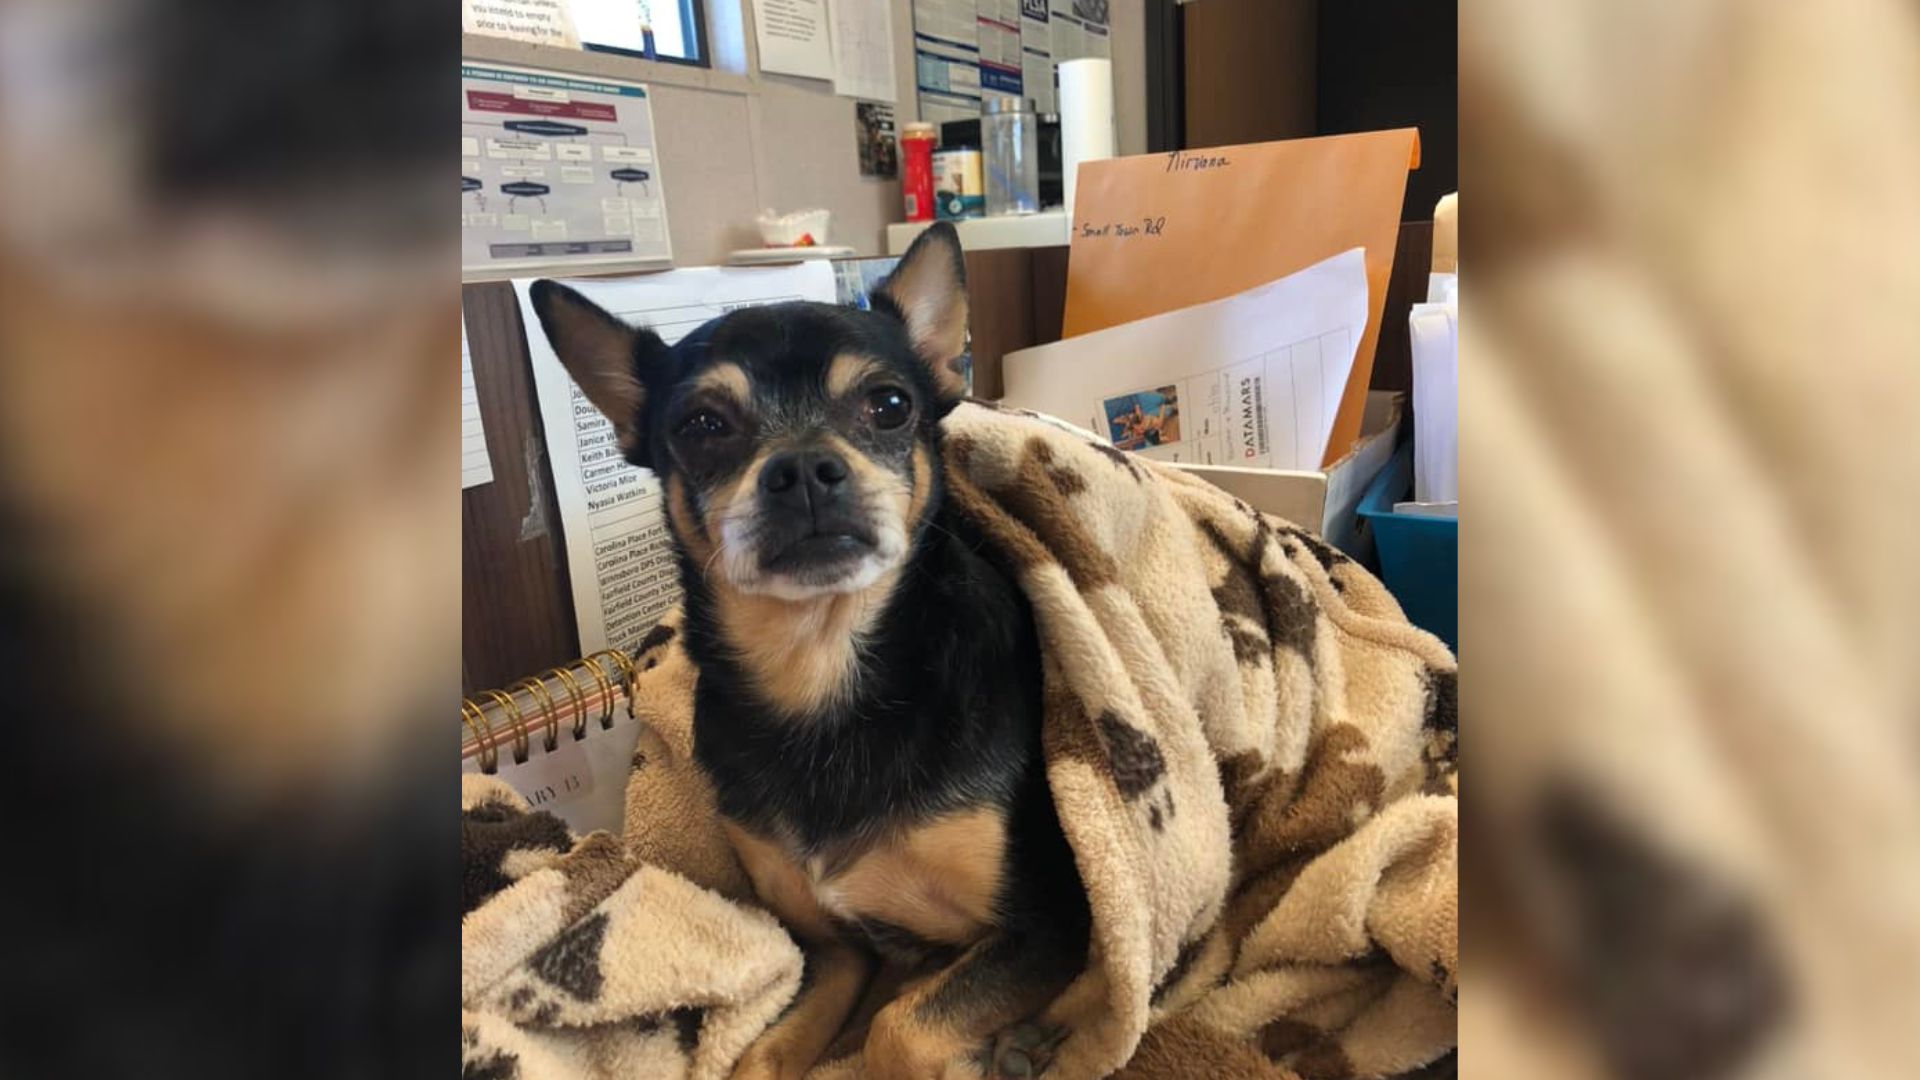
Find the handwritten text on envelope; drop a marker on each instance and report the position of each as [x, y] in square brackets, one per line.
[1159, 232]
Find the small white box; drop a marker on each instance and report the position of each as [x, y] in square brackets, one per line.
[1323, 500]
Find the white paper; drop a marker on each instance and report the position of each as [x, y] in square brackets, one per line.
[1428, 509]
[544, 156]
[863, 49]
[1036, 65]
[953, 21]
[618, 552]
[620, 23]
[1253, 380]
[1435, 333]
[1079, 29]
[998, 31]
[946, 59]
[793, 37]
[583, 782]
[542, 22]
[475, 467]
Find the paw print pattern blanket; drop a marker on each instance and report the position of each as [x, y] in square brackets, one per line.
[1251, 750]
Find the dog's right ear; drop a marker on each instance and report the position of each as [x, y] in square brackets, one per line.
[928, 292]
[612, 362]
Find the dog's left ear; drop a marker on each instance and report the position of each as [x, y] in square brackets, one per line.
[928, 292]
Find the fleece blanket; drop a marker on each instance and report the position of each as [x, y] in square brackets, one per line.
[1251, 749]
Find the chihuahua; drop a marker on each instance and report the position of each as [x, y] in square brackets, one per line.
[868, 701]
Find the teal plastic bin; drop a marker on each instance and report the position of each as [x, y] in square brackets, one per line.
[1419, 556]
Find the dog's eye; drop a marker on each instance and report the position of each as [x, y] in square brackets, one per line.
[702, 424]
[889, 407]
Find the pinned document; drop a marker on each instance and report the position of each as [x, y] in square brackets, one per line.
[476, 467]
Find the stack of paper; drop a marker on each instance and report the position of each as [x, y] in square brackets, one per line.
[475, 466]
[1253, 380]
[1154, 233]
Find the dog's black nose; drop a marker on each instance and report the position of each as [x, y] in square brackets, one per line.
[813, 471]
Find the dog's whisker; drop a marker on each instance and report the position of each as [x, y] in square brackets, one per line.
[937, 527]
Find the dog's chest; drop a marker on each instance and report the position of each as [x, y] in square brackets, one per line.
[936, 880]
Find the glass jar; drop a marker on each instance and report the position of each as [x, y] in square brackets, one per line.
[1010, 133]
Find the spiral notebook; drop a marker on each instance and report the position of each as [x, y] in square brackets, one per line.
[563, 739]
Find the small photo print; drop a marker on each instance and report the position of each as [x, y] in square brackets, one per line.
[878, 154]
[1093, 11]
[1143, 419]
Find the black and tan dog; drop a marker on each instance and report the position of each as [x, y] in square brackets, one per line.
[868, 705]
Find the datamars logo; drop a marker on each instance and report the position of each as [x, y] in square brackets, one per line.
[1253, 417]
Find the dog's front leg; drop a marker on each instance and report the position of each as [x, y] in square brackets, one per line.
[836, 974]
[967, 1019]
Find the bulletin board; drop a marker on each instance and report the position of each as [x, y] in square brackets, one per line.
[963, 49]
[559, 173]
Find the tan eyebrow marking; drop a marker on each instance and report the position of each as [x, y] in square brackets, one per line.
[846, 371]
[729, 379]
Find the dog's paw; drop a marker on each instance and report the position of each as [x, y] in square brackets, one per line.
[1024, 1051]
[763, 1061]
[900, 1047]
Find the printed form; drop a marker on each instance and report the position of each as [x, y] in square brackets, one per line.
[863, 50]
[618, 553]
[475, 467]
[1253, 380]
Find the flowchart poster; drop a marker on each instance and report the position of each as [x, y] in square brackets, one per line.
[557, 171]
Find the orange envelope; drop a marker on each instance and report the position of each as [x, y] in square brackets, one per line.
[1159, 232]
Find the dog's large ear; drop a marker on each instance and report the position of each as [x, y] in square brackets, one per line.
[611, 361]
[928, 292]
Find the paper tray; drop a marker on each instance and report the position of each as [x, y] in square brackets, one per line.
[1419, 555]
[1324, 500]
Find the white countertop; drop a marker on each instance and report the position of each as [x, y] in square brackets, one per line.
[1045, 229]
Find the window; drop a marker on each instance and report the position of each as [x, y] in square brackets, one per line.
[671, 30]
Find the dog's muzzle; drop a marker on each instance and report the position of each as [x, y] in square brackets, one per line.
[811, 520]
